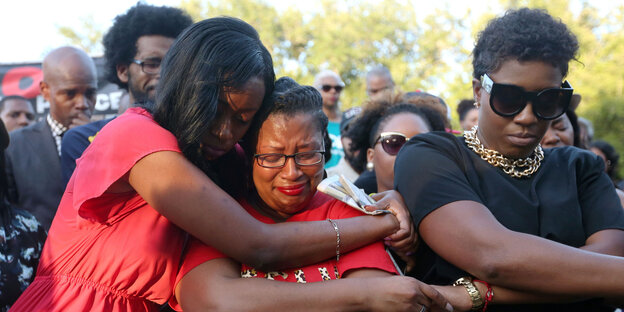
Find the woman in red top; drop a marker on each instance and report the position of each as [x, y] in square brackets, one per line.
[284, 190]
[116, 241]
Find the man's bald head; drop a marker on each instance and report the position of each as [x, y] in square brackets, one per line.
[68, 62]
[69, 85]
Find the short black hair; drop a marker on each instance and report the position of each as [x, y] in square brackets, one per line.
[11, 97]
[524, 35]
[366, 128]
[290, 99]
[464, 107]
[611, 154]
[209, 57]
[140, 20]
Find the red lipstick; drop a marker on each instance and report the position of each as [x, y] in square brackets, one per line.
[292, 190]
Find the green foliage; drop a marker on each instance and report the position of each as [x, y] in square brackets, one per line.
[350, 37]
[88, 38]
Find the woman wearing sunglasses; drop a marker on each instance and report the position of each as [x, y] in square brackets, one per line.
[496, 212]
[287, 151]
[379, 133]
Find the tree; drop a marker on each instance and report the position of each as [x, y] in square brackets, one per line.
[428, 51]
[89, 38]
[349, 38]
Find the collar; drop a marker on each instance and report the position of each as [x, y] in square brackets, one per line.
[57, 128]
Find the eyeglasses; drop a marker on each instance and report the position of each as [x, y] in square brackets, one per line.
[391, 142]
[150, 67]
[326, 88]
[509, 100]
[277, 160]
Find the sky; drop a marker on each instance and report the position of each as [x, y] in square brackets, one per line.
[29, 28]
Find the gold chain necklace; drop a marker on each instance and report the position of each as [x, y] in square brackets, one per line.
[511, 167]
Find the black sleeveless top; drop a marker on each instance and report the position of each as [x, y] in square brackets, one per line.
[567, 200]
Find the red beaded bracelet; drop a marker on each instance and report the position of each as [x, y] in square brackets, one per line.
[489, 294]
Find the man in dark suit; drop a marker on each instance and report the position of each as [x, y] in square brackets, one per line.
[33, 157]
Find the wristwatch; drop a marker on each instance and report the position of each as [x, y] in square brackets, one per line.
[473, 292]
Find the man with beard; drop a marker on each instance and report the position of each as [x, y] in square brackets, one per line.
[134, 48]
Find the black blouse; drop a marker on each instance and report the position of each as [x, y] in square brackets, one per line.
[567, 200]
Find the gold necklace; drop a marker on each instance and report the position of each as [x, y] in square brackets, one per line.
[511, 167]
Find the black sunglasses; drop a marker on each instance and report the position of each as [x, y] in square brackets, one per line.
[391, 142]
[326, 88]
[509, 100]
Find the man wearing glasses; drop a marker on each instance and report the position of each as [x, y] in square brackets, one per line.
[330, 85]
[134, 48]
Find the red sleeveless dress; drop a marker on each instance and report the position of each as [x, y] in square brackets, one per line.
[108, 251]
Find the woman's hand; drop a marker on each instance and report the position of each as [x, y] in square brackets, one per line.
[400, 293]
[404, 240]
[457, 296]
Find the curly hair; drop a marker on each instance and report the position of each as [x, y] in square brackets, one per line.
[524, 35]
[425, 99]
[366, 128]
[140, 20]
[289, 99]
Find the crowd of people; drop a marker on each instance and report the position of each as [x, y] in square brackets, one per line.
[202, 193]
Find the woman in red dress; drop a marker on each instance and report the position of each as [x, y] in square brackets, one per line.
[157, 172]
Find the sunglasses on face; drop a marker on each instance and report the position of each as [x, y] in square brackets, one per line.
[326, 88]
[509, 100]
[391, 142]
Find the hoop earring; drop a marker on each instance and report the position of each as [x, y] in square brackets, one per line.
[370, 166]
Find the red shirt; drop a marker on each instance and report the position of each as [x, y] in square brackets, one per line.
[108, 251]
[322, 207]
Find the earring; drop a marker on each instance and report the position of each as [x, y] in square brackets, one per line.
[370, 166]
[476, 104]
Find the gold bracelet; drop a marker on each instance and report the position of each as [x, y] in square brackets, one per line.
[333, 223]
[473, 292]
